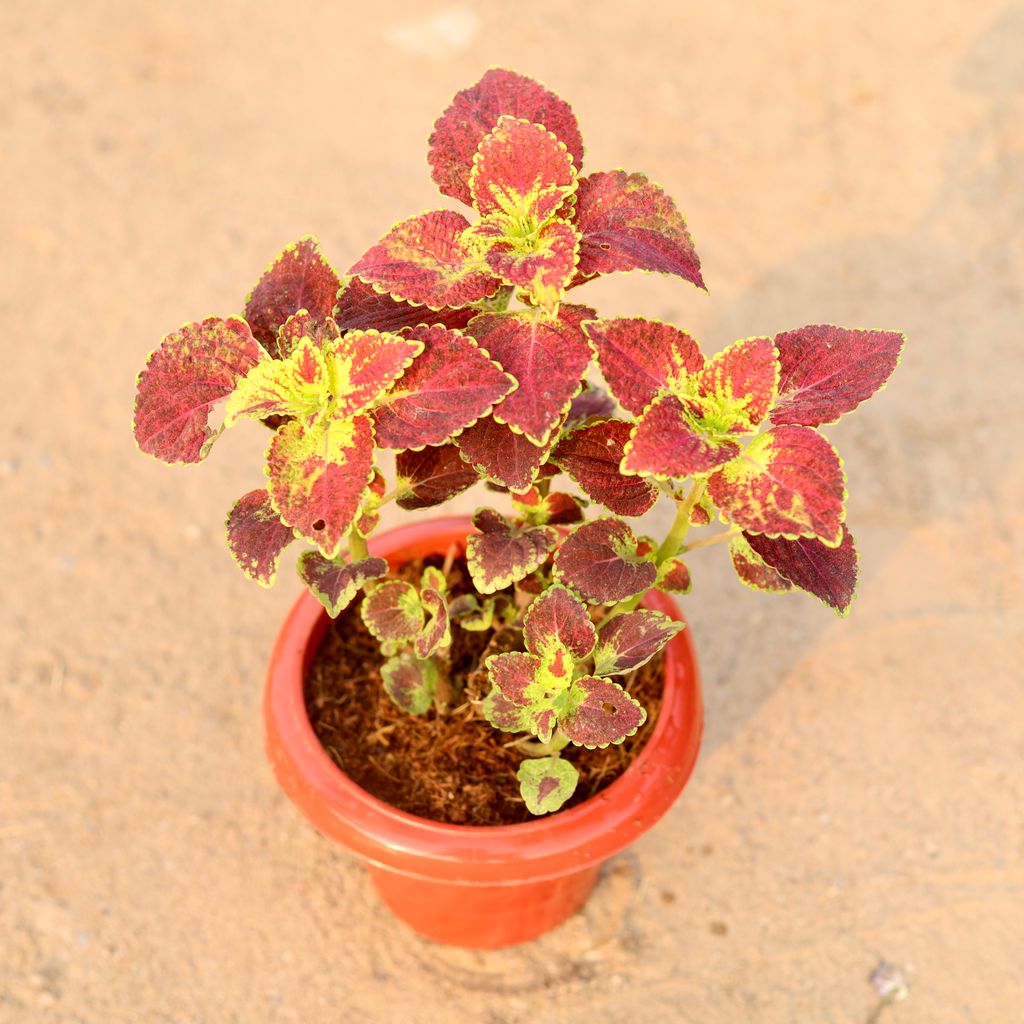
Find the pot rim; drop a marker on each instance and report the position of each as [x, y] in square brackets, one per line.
[388, 837]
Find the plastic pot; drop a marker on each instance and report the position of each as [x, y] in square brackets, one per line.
[472, 886]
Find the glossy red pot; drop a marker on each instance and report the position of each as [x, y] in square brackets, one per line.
[472, 886]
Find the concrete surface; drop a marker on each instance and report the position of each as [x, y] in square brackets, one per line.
[860, 794]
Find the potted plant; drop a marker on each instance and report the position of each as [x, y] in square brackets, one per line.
[535, 640]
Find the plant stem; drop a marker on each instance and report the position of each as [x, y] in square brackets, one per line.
[707, 541]
[676, 536]
[357, 549]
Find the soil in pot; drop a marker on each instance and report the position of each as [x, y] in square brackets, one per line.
[453, 768]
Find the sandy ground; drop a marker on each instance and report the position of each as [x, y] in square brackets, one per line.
[859, 796]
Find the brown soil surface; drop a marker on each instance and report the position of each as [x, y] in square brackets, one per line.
[456, 767]
[859, 790]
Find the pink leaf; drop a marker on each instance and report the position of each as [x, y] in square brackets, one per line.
[360, 307]
[828, 371]
[333, 583]
[753, 570]
[432, 476]
[625, 642]
[642, 358]
[604, 713]
[496, 452]
[559, 618]
[299, 278]
[591, 456]
[449, 387]
[592, 401]
[599, 559]
[256, 536]
[547, 356]
[738, 386]
[475, 111]
[194, 368]
[629, 223]
[364, 364]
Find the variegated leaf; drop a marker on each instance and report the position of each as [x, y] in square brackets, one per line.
[475, 615]
[674, 578]
[829, 573]
[546, 783]
[503, 553]
[629, 223]
[546, 355]
[737, 388]
[641, 358]
[668, 443]
[304, 325]
[828, 371]
[334, 583]
[506, 706]
[591, 455]
[475, 111]
[602, 713]
[449, 387]
[369, 514]
[432, 476]
[194, 368]
[499, 454]
[554, 509]
[425, 260]
[392, 612]
[359, 307]
[592, 401]
[256, 536]
[436, 633]
[362, 365]
[558, 618]
[319, 475]
[627, 641]
[600, 561]
[410, 682]
[789, 482]
[295, 386]
[753, 570]
[299, 278]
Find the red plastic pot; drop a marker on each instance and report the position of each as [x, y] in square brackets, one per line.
[472, 886]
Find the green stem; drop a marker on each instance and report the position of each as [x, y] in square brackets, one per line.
[357, 549]
[707, 541]
[676, 537]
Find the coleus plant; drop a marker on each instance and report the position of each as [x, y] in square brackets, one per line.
[450, 342]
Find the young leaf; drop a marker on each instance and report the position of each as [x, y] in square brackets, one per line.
[753, 570]
[642, 358]
[522, 171]
[547, 355]
[502, 553]
[602, 713]
[674, 578]
[496, 452]
[319, 475]
[546, 783]
[475, 111]
[256, 536]
[334, 583]
[392, 612]
[591, 455]
[599, 559]
[299, 278]
[281, 387]
[436, 634]
[629, 223]
[738, 387]
[828, 573]
[593, 401]
[194, 368]
[432, 476]
[369, 514]
[789, 483]
[474, 615]
[667, 442]
[506, 706]
[410, 682]
[627, 641]
[304, 325]
[450, 386]
[363, 365]
[554, 509]
[558, 618]
[828, 371]
[424, 260]
[360, 307]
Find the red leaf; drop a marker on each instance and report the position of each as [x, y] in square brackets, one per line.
[547, 356]
[511, 459]
[369, 514]
[674, 578]
[593, 401]
[629, 223]
[436, 634]
[667, 443]
[599, 559]
[364, 364]
[432, 476]
[256, 536]
[512, 674]
[194, 368]
[392, 611]
[333, 583]
[502, 553]
[359, 307]
[319, 476]
[625, 642]
[475, 111]
[304, 325]
[450, 386]
[604, 714]
[299, 278]
[591, 456]
[828, 573]
[828, 371]
[555, 509]
[642, 358]
[425, 260]
[738, 386]
[753, 570]
[558, 618]
[789, 482]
